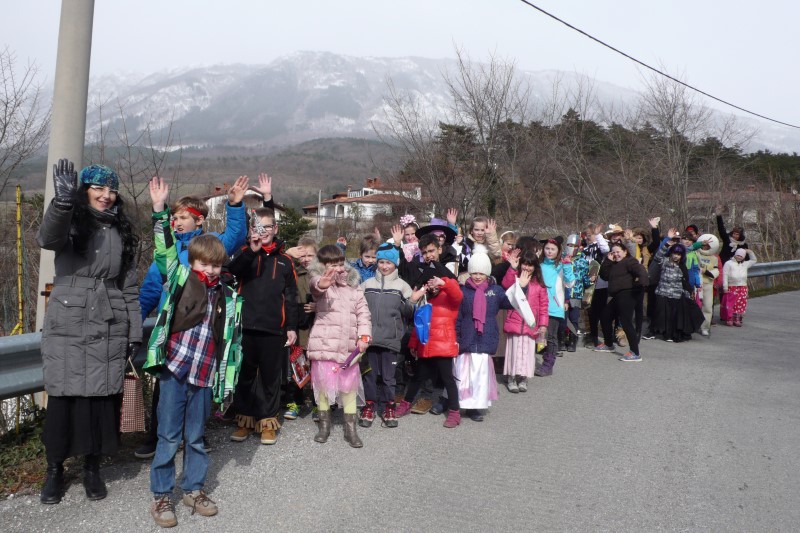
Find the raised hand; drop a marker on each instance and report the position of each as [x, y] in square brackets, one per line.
[295, 252]
[342, 240]
[513, 258]
[327, 279]
[65, 183]
[417, 295]
[264, 186]
[159, 192]
[491, 226]
[654, 222]
[628, 235]
[397, 234]
[435, 282]
[452, 216]
[237, 190]
[255, 240]
[524, 278]
[377, 233]
[672, 232]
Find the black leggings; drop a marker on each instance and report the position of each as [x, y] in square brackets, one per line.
[430, 367]
[596, 311]
[622, 307]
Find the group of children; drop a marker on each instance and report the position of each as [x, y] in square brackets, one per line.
[426, 304]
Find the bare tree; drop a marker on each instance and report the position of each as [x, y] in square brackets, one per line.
[467, 159]
[24, 118]
[681, 120]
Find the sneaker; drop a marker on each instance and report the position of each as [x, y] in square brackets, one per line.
[403, 408]
[390, 415]
[422, 406]
[438, 408]
[200, 503]
[648, 336]
[603, 348]
[704, 332]
[163, 511]
[292, 411]
[631, 357]
[670, 340]
[146, 450]
[512, 385]
[367, 415]
[522, 386]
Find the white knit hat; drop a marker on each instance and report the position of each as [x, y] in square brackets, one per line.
[740, 252]
[480, 263]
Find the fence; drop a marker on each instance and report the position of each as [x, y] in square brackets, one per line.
[21, 360]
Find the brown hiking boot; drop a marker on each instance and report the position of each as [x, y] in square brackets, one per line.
[240, 435]
[269, 436]
[422, 406]
[163, 511]
[200, 503]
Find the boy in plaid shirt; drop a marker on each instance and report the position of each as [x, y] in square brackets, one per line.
[195, 351]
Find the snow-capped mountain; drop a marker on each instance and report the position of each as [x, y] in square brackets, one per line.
[310, 95]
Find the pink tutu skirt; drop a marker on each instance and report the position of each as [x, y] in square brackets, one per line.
[328, 377]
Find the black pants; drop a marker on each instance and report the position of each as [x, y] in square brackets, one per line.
[258, 392]
[596, 311]
[651, 307]
[430, 367]
[638, 312]
[79, 425]
[622, 307]
[379, 383]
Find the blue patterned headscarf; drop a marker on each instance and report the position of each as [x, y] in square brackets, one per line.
[100, 175]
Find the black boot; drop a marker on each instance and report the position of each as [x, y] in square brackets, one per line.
[53, 486]
[572, 342]
[92, 483]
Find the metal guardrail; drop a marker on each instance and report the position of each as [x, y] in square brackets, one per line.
[21, 362]
[21, 359]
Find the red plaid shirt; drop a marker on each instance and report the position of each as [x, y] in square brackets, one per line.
[190, 353]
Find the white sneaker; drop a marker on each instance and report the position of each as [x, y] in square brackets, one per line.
[512, 385]
[704, 332]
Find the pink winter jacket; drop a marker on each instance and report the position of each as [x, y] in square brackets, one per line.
[537, 299]
[342, 317]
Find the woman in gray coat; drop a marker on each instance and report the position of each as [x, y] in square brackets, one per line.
[92, 324]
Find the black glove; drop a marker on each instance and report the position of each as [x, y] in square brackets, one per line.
[65, 180]
[133, 349]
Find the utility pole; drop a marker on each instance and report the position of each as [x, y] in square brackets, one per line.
[70, 96]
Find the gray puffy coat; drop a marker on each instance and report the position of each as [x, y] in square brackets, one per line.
[92, 315]
[390, 307]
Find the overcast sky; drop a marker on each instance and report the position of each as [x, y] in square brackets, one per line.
[739, 51]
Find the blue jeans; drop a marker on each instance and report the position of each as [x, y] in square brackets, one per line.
[183, 409]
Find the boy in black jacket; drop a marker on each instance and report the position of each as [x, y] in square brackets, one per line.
[269, 322]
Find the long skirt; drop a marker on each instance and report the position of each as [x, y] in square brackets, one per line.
[677, 318]
[328, 377]
[78, 425]
[477, 386]
[520, 356]
[739, 294]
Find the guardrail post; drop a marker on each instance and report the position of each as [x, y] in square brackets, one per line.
[768, 282]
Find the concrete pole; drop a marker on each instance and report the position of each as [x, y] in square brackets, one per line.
[70, 96]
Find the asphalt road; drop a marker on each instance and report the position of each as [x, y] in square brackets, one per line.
[700, 436]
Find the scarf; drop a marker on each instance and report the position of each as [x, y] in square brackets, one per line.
[268, 247]
[205, 279]
[479, 304]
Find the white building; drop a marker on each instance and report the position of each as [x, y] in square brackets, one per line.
[365, 203]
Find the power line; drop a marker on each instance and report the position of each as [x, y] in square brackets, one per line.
[642, 63]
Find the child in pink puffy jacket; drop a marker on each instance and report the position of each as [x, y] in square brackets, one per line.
[520, 339]
[342, 323]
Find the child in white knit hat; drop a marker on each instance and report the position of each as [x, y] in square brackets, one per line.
[478, 337]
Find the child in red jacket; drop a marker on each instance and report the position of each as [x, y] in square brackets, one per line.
[436, 357]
